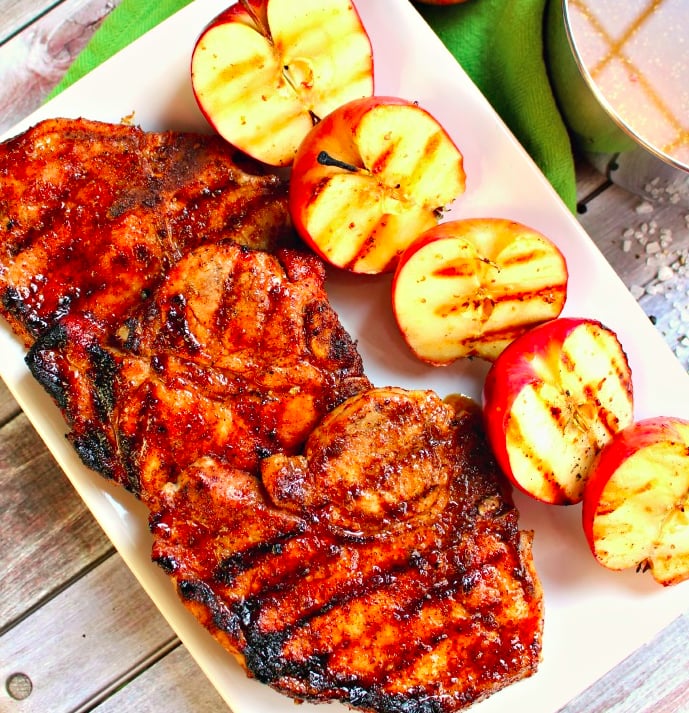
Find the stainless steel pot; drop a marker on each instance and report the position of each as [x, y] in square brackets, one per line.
[620, 73]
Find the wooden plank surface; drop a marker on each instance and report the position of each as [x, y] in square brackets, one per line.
[102, 639]
[48, 537]
[16, 15]
[35, 60]
[166, 686]
[8, 406]
[74, 621]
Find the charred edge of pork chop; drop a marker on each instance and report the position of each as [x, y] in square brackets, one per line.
[93, 214]
[429, 617]
[85, 403]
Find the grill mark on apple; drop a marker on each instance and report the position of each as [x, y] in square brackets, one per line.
[227, 76]
[506, 333]
[381, 161]
[523, 258]
[515, 435]
[607, 418]
[462, 270]
[431, 148]
[619, 384]
[426, 158]
[370, 242]
[547, 294]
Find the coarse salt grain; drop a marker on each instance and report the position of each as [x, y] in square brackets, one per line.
[665, 273]
[644, 207]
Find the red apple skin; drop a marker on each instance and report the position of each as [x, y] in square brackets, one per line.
[513, 371]
[334, 135]
[501, 387]
[625, 443]
[643, 434]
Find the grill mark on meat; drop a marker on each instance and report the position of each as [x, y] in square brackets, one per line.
[316, 668]
[397, 577]
[95, 452]
[200, 592]
[227, 400]
[238, 563]
[17, 311]
[44, 369]
[105, 370]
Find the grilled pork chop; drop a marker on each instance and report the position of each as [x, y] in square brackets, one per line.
[384, 567]
[93, 214]
[345, 542]
[237, 354]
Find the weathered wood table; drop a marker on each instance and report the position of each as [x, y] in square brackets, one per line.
[77, 633]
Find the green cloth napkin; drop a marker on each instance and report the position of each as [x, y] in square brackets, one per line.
[499, 43]
[129, 20]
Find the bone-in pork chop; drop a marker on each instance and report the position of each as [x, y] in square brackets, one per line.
[93, 214]
[237, 355]
[384, 567]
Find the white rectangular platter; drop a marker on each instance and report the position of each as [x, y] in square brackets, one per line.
[594, 618]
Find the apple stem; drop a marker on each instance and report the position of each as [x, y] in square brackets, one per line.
[261, 22]
[325, 159]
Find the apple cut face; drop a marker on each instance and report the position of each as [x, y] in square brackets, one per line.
[369, 179]
[360, 224]
[636, 507]
[552, 400]
[264, 71]
[469, 287]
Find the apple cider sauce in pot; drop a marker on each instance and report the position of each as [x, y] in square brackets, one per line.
[620, 72]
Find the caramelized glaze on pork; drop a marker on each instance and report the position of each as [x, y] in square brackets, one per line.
[237, 355]
[393, 579]
[93, 214]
